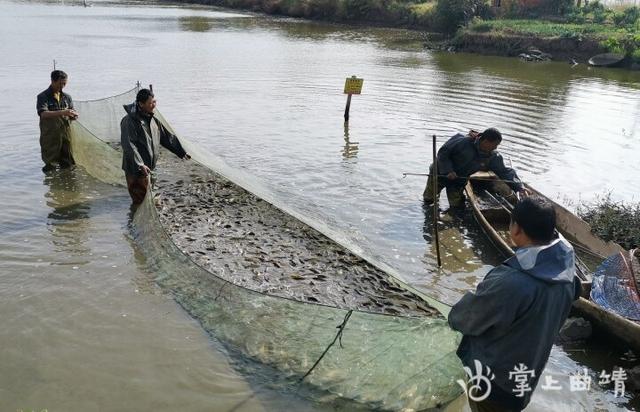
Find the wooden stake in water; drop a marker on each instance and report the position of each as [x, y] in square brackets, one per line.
[435, 201]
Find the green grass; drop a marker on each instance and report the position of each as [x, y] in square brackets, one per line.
[423, 8]
[542, 28]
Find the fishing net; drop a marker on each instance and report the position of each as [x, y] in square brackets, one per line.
[379, 361]
[615, 286]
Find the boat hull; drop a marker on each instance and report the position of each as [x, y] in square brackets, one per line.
[576, 230]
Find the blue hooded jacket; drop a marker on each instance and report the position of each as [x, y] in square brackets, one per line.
[515, 315]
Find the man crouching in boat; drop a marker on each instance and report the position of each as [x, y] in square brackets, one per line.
[510, 323]
[460, 157]
[141, 137]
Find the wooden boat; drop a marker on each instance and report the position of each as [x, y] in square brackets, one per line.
[607, 60]
[494, 219]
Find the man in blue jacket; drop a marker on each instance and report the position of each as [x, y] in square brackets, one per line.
[460, 157]
[513, 318]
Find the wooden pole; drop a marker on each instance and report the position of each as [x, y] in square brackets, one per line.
[346, 109]
[435, 201]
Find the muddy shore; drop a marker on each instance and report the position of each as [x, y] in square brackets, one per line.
[560, 49]
[245, 240]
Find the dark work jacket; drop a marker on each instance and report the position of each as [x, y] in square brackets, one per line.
[57, 127]
[141, 137]
[515, 315]
[461, 154]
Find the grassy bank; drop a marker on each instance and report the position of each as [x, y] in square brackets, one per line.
[563, 41]
[591, 29]
[571, 32]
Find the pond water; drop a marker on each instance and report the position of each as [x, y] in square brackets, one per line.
[83, 318]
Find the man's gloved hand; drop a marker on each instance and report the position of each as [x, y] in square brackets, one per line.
[452, 176]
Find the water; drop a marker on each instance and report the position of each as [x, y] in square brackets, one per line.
[265, 94]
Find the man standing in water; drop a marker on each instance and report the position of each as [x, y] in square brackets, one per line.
[55, 109]
[141, 137]
[460, 157]
[510, 323]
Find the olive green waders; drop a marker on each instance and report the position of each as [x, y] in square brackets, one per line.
[455, 191]
[55, 142]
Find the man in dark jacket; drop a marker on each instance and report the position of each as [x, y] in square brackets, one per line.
[141, 137]
[460, 157]
[55, 109]
[510, 323]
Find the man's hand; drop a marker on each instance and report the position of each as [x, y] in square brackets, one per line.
[452, 176]
[524, 192]
[186, 156]
[145, 170]
[72, 114]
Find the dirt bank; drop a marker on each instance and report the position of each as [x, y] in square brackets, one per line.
[560, 48]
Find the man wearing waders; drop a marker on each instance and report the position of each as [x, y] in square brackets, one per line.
[460, 157]
[55, 109]
[141, 137]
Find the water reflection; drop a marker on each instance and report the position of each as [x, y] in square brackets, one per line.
[462, 249]
[68, 222]
[196, 23]
[350, 149]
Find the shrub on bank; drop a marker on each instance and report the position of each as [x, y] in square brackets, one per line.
[624, 43]
[450, 15]
[613, 221]
[627, 18]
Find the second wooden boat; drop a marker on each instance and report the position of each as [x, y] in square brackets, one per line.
[494, 217]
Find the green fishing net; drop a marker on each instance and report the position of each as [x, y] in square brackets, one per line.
[379, 361]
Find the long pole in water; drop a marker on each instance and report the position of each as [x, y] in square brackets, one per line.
[435, 201]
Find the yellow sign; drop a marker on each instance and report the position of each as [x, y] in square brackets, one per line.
[353, 85]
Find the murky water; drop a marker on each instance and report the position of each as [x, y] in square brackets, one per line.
[83, 320]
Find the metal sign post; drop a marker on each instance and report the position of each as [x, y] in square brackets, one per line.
[352, 85]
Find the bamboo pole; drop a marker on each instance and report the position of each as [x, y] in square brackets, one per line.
[435, 201]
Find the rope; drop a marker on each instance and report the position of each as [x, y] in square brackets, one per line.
[338, 338]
